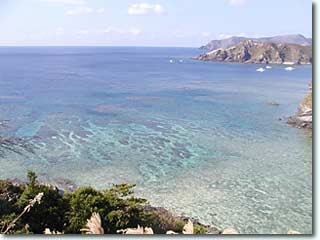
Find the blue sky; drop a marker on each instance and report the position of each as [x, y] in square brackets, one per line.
[148, 22]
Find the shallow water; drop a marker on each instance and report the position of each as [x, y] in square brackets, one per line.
[198, 138]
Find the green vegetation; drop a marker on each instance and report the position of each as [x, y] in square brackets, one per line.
[198, 229]
[51, 211]
[67, 212]
[117, 208]
[163, 220]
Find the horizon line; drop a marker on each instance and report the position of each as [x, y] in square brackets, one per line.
[98, 46]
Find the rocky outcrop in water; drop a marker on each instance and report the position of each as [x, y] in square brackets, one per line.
[249, 51]
[303, 119]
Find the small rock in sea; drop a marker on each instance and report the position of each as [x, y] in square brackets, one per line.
[230, 231]
[293, 232]
[280, 119]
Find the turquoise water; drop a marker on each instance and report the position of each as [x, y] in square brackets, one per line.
[198, 138]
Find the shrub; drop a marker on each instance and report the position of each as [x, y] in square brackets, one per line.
[83, 202]
[68, 212]
[9, 194]
[161, 220]
[50, 213]
[198, 229]
[126, 210]
[116, 206]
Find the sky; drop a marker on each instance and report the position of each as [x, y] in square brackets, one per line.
[181, 23]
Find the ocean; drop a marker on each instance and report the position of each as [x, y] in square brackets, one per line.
[201, 139]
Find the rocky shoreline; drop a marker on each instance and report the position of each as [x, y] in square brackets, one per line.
[303, 118]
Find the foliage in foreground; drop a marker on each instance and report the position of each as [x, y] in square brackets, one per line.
[68, 212]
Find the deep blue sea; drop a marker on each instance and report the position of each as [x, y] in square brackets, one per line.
[198, 138]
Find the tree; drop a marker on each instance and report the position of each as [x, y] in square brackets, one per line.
[49, 213]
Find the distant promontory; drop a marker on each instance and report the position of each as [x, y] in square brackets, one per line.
[231, 41]
[249, 51]
[286, 49]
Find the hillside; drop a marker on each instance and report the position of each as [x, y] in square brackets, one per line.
[249, 51]
[228, 42]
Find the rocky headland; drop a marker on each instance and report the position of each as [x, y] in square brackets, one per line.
[303, 118]
[231, 41]
[249, 51]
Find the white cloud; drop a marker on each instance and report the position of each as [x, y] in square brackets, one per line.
[68, 2]
[79, 11]
[113, 30]
[236, 2]
[82, 32]
[158, 9]
[145, 8]
[242, 35]
[224, 36]
[59, 31]
[206, 34]
[135, 31]
[123, 31]
[84, 11]
[100, 10]
[229, 35]
[184, 34]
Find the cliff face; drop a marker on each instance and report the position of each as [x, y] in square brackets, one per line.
[228, 42]
[303, 119]
[249, 51]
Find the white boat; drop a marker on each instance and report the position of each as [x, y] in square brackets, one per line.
[181, 60]
[260, 70]
[289, 68]
[171, 61]
[268, 67]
